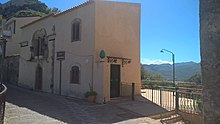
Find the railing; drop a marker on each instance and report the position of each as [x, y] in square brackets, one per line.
[128, 89]
[3, 90]
[172, 98]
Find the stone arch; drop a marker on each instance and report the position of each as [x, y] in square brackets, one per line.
[40, 43]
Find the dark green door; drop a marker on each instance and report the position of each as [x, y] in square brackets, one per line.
[115, 81]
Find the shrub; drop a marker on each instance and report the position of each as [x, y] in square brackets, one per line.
[90, 93]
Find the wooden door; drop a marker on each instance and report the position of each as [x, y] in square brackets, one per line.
[115, 79]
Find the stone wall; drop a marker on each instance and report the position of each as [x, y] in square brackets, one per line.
[11, 66]
[210, 59]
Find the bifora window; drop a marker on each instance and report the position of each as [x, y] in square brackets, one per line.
[75, 75]
[76, 30]
[40, 44]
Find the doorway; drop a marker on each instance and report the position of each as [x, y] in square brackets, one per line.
[38, 78]
[115, 79]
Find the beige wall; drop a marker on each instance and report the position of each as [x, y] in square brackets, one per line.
[118, 34]
[113, 27]
[27, 68]
[13, 46]
[77, 53]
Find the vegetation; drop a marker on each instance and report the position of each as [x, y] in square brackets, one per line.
[195, 78]
[183, 70]
[24, 13]
[145, 75]
[90, 93]
[30, 8]
[156, 79]
[152, 80]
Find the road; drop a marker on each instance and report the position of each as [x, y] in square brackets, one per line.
[30, 107]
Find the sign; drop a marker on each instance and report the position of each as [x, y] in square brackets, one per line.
[24, 44]
[61, 55]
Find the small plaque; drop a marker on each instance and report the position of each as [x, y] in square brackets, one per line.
[24, 44]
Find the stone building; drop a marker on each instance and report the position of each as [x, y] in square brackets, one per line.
[92, 46]
[210, 59]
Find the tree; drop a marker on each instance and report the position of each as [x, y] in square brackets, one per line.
[144, 73]
[54, 10]
[30, 8]
[195, 78]
[157, 77]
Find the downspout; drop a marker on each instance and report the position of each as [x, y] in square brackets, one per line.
[93, 59]
[52, 58]
[52, 66]
[92, 71]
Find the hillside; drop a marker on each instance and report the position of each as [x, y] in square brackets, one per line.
[19, 3]
[25, 8]
[183, 70]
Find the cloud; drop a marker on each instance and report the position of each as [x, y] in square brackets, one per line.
[154, 61]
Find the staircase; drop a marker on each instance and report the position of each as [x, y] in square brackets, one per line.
[170, 117]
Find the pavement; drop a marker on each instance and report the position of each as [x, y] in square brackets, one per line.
[24, 106]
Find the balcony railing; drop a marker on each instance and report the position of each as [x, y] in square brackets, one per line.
[175, 98]
[3, 90]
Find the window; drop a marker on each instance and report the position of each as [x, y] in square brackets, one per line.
[75, 75]
[76, 30]
[40, 44]
[10, 29]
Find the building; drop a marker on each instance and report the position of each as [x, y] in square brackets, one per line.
[10, 38]
[210, 57]
[62, 53]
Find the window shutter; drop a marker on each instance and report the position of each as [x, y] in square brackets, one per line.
[74, 32]
[77, 31]
[74, 75]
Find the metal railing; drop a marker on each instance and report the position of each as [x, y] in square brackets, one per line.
[128, 89]
[3, 90]
[175, 98]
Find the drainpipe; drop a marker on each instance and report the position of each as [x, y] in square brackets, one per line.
[92, 71]
[53, 60]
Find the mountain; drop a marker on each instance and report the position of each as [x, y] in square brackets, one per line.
[183, 70]
[19, 3]
[25, 8]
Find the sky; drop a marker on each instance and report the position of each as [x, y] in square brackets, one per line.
[165, 24]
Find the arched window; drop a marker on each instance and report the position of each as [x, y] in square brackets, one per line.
[76, 30]
[40, 43]
[75, 75]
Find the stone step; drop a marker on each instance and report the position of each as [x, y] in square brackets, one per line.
[163, 115]
[172, 120]
[170, 117]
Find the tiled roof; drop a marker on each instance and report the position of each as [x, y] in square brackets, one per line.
[38, 20]
[75, 7]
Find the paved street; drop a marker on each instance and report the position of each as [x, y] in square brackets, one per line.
[29, 107]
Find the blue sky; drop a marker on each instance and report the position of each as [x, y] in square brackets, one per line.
[169, 24]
